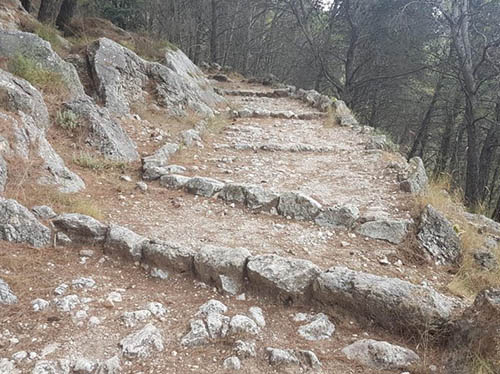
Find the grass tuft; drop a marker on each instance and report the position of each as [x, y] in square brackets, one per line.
[89, 161]
[46, 81]
[68, 120]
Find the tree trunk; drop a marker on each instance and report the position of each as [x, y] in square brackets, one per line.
[26, 5]
[445, 147]
[213, 31]
[49, 9]
[66, 13]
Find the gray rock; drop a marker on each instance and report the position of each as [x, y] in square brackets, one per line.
[142, 343]
[217, 325]
[63, 239]
[232, 363]
[19, 225]
[61, 289]
[105, 133]
[8, 367]
[141, 186]
[298, 206]
[234, 193]
[415, 178]
[391, 230]
[344, 114]
[437, 236]
[212, 307]
[224, 267]
[67, 303]
[338, 216]
[257, 315]
[131, 319]
[4, 174]
[308, 358]
[244, 349]
[159, 273]
[83, 283]
[281, 357]
[32, 47]
[43, 212]
[7, 297]
[168, 256]
[123, 77]
[259, 198]
[81, 229]
[190, 136]
[197, 336]
[486, 259]
[159, 159]
[319, 328]
[285, 278]
[207, 187]
[174, 181]
[242, 325]
[39, 305]
[84, 366]
[390, 302]
[157, 309]
[380, 355]
[124, 243]
[52, 367]
[110, 366]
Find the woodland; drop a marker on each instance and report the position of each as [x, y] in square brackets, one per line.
[425, 72]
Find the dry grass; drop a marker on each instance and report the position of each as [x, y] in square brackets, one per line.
[217, 123]
[89, 161]
[331, 118]
[470, 278]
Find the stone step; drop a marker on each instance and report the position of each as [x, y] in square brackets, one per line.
[392, 303]
[262, 113]
[276, 147]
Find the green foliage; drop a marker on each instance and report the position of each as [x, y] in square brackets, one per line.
[49, 34]
[68, 120]
[28, 69]
[89, 161]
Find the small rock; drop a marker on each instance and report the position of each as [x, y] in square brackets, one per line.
[43, 212]
[86, 253]
[217, 325]
[245, 349]
[61, 289]
[130, 319]
[156, 309]
[384, 261]
[243, 325]
[114, 297]
[7, 297]
[232, 363]
[212, 306]
[110, 366]
[83, 283]
[256, 314]
[281, 357]
[141, 343]
[319, 328]
[67, 303]
[126, 178]
[94, 321]
[159, 273]
[19, 356]
[486, 259]
[197, 336]
[141, 186]
[84, 366]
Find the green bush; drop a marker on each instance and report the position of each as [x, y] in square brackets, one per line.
[68, 120]
[28, 69]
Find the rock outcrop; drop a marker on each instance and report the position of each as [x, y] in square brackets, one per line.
[30, 46]
[122, 78]
[414, 179]
[19, 225]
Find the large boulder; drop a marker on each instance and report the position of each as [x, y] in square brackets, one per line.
[81, 229]
[389, 302]
[122, 78]
[380, 355]
[224, 267]
[105, 133]
[438, 238]
[28, 132]
[287, 279]
[414, 179]
[202, 186]
[391, 230]
[19, 225]
[30, 46]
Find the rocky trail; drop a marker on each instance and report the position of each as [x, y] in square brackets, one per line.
[235, 227]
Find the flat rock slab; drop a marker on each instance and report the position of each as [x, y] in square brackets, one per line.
[207, 187]
[19, 225]
[285, 278]
[224, 267]
[291, 357]
[390, 302]
[81, 229]
[380, 355]
[391, 230]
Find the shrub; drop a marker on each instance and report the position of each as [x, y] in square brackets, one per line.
[89, 161]
[68, 120]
